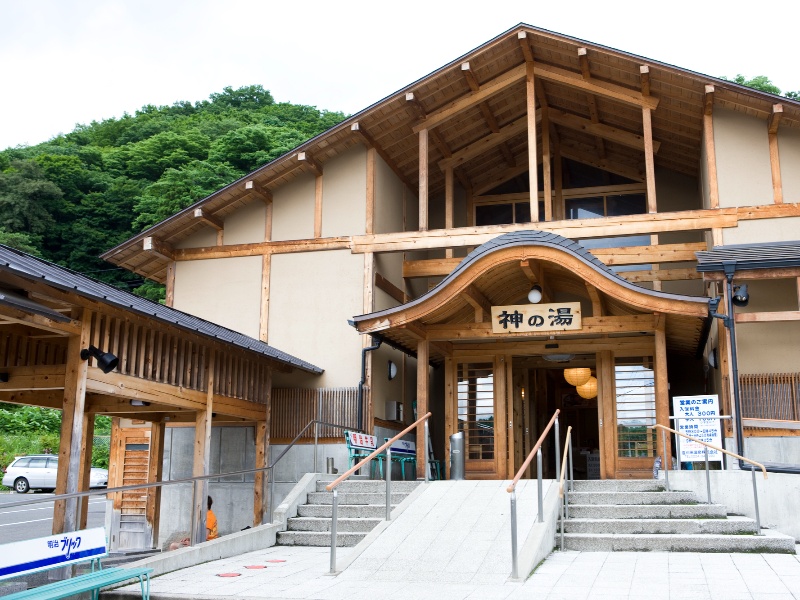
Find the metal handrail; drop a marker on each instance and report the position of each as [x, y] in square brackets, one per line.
[664, 430]
[155, 484]
[511, 489]
[385, 446]
[562, 493]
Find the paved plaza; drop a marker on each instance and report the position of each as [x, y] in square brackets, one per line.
[563, 575]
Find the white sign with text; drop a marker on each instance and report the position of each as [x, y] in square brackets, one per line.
[693, 413]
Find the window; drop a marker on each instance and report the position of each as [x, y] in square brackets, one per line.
[22, 462]
[636, 408]
[504, 213]
[52, 463]
[605, 205]
[38, 463]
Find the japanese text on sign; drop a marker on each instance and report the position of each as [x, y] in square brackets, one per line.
[698, 419]
[523, 318]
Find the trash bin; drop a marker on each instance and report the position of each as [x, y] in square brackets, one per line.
[457, 456]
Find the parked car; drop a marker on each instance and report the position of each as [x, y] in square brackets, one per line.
[38, 471]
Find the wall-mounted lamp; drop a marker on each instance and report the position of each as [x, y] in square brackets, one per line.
[712, 359]
[392, 370]
[3, 377]
[138, 402]
[106, 361]
[535, 295]
[740, 295]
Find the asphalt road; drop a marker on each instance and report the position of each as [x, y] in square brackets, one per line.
[35, 520]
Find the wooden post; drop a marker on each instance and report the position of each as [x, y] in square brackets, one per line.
[266, 266]
[649, 163]
[608, 434]
[369, 224]
[423, 180]
[170, 284]
[260, 498]
[366, 340]
[448, 205]
[86, 466]
[450, 410]
[711, 159]
[202, 452]
[546, 176]
[530, 97]
[155, 463]
[65, 517]
[422, 403]
[662, 385]
[774, 156]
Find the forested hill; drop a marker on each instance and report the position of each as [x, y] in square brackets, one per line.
[80, 194]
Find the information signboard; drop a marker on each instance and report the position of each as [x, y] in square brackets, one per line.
[691, 411]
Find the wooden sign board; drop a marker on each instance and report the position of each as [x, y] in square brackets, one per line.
[535, 318]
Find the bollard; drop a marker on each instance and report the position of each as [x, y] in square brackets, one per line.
[514, 565]
[389, 484]
[334, 508]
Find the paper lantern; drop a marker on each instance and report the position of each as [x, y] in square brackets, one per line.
[589, 389]
[577, 376]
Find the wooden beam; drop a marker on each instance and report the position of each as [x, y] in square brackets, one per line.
[530, 103]
[524, 346]
[644, 79]
[602, 325]
[389, 288]
[649, 163]
[660, 275]
[597, 301]
[595, 86]
[305, 158]
[472, 81]
[534, 275]
[774, 155]
[258, 190]
[13, 315]
[583, 59]
[479, 302]
[416, 106]
[768, 317]
[169, 284]
[486, 91]
[440, 144]
[434, 267]
[208, 219]
[159, 248]
[577, 123]
[527, 53]
[756, 274]
[369, 142]
[640, 255]
[260, 248]
[486, 143]
[423, 179]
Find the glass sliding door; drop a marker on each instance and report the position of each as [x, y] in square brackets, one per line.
[476, 416]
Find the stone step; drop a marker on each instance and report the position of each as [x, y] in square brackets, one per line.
[632, 498]
[314, 538]
[646, 511]
[771, 542]
[355, 498]
[370, 486]
[730, 526]
[343, 524]
[619, 485]
[347, 511]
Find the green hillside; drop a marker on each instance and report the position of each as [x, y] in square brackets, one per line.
[77, 195]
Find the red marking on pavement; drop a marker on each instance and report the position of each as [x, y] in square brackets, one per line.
[274, 560]
[228, 574]
[255, 566]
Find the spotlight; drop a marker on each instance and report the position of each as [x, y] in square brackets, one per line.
[392, 370]
[106, 361]
[138, 402]
[740, 295]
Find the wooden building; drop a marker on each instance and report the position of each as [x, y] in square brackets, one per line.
[426, 219]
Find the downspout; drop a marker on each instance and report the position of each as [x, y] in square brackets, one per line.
[375, 346]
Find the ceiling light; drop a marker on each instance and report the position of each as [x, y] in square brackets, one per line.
[535, 295]
[559, 358]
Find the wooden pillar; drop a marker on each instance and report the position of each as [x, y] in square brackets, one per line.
[662, 386]
[546, 176]
[202, 452]
[530, 98]
[649, 163]
[711, 159]
[423, 180]
[423, 351]
[366, 340]
[774, 155]
[318, 206]
[606, 410]
[260, 491]
[86, 466]
[266, 266]
[155, 465]
[448, 205]
[65, 517]
[170, 284]
[450, 410]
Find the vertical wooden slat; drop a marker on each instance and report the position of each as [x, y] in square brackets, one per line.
[423, 180]
[649, 162]
[423, 350]
[155, 461]
[533, 175]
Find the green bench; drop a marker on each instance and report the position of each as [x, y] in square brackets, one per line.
[64, 550]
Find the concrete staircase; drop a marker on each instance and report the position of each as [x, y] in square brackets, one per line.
[362, 505]
[619, 515]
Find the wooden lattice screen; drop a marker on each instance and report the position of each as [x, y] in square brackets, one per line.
[771, 396]
[293, 408]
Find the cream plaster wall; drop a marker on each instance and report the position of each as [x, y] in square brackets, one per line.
[246, 225]
[204, 237]
[389, 194]
[344, 194]
[789, 152]
[293, 210]
[675, 191]
[226, 291]
[743, 170]
[312, 296]
[384, 390]
[786, 229]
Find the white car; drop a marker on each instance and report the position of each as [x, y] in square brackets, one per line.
[38, 471]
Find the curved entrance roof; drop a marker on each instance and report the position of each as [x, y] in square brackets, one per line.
[501, 272]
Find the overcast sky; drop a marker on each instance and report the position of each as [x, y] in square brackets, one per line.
[64, 62]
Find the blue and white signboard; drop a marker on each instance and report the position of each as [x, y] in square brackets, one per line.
[691, 410]
[60, 550]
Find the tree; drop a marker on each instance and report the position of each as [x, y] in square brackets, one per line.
[27, 200]
[764, 84]
[247, 97]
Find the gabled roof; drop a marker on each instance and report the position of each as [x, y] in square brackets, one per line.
[497, 70]
[37, 269]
